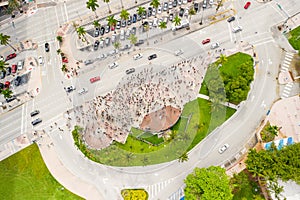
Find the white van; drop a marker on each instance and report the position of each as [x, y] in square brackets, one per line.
[122, 35]
[237, 29]
[184, 24]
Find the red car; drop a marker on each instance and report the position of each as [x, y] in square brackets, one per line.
[65, 60]
[206, 41]
[7, 84]
[94, 79]
[11, 56]
[13, 68]
[247, 5]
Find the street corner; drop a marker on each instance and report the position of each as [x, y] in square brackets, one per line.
[27, 45]
[220, 16]
[63, 30]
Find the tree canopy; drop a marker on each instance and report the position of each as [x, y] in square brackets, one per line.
[208, 183]
[276, 164]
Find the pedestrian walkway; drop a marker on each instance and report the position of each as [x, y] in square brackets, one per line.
[153, 190]
[178, 195]
[286, 91]
[231, 105]
[287, 61]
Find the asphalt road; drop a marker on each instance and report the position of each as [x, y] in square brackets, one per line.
[162, 180]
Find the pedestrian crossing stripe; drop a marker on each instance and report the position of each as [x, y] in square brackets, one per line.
[289, 53]
[286, 65]
[288, 59]
[288, 62]
[289, 56]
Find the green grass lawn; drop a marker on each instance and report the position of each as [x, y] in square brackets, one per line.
[237, 73]
[294, 38]
[135, 152]
[244, 187]
[24, 175]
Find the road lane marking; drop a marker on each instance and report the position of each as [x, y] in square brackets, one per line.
[22, 118]
[66, 11]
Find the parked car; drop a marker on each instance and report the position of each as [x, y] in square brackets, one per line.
[196, 6]
[6, 84]
[96, 45]
[159, 9]
[10, 99]
[128, 33]
[206, 41]
[122, 35]
[10, 56]
[113, 65]
[204, 4]
[247, 5]
[133, 30]
[230, 19]
[17, 81]
[134, 18]
[178, 52]
[170, 6]
[82, 91]
[64, 59]
[107, 29]
[174, 3]
[2, 86]
[8, 71]
[102, 30]
[2, 74]
[237, 29]
[70, 88]
[179, 2]
[34, 113]
[137, 56]
[123, 23]
[36, 121]
[113, 38]
[171, 17]
[96, 32]
[14, 67]
[40, 60]
[149, 11]
[151, 57]
[223, 148]
[20, 64]
[211, 2]
[47, 47]
[139, 43]
[165, 6]
[181, 12]
[215, 45]
[118, 24]
[107, 41]
[129, 71]
[94, 79]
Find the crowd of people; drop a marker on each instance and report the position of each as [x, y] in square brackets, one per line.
[110, 117]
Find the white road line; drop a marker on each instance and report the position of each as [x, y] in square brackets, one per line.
[230, 33]
[289, 56]
[286, 65]
[22, 118]
[261, 43]
[66, 11]
[287, 62]
[62, 12]
[289, 53]
[56, 16]
[288, 59]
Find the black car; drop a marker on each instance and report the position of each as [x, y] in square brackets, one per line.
[2, 86]
[196, 6]
[2, 74]
[230, 19]
[133, 30]
[134, 18]
[151, 57]
[17, 81]
[181, 12]
[129, 71]
[47, 48]
[8, 71]
[96, 45]
[149, 11]
[34, 113]
[36, 121]
[174, 3]
[102, 30]
[139, 43]
[10, 99]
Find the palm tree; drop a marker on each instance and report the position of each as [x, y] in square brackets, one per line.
[155, 3]
[133, 39]
[117, 45]
[12, 5]
[141, 11]
[111, 20]
[96, 24]
[107, 1]
[81, 34]
[64, 68]
[177, 20]
[192, 11]
[7, 93]
[222, 59]
[2, 65]
[93, 5]
[184, 157]
[124, 15]
[5, 39]
[59, 38]
[219, 4]
[162, 25]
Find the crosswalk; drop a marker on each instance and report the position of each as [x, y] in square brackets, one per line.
[178, 194]
[286, 91]
[155, 188]
[287, 61]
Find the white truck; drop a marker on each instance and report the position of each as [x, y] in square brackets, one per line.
[183, 24]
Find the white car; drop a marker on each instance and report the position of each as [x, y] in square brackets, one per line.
[137, 56]
[113, 65]
[237, 29]
[41, 60]
[223, 148]
[184, 1]
[215, 45]
[178, 52]
[82, 91]
[211, 2]
[159, 10]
